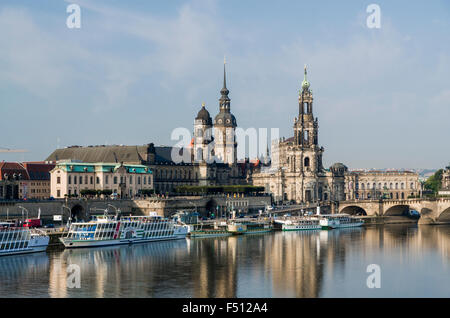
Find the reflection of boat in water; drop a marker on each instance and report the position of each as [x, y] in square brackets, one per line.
[20, 265]
[298, 224]
[21, 240]
[106, 231]
[335, 221]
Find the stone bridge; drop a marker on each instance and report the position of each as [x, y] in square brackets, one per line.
[432, 211]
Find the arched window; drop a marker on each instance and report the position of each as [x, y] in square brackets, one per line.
[305, 107]
[307, 162]
[396, 187]
[391, 186]
[362, 186]
[412, 185]
[403, 186]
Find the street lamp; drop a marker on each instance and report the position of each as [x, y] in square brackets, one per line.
[21, 207]
[69, 219]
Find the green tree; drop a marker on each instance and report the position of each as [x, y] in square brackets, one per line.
[433, 183]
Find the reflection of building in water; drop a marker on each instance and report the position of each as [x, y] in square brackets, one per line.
[295, 264]
[214, 268]
[57, 287]
[132, 271]
[299, 260]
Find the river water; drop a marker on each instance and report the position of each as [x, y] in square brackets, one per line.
[414, 261]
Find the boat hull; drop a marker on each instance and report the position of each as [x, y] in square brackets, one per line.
[36, 249]
[101, 243]
[341, 226]
[201, 234]
[300, 228]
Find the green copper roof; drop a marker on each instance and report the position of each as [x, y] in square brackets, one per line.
[101, 167]
[305, 83]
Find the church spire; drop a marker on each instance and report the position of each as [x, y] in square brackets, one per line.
[224, 99]
[224, 73]
[305, 83]
[224, 91]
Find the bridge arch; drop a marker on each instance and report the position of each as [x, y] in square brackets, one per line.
[397, 210]
[444, 216]
[354, 210]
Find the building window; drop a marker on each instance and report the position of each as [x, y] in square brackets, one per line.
[144, 180]
[58, 193]
[106, 179]
[307, 162]
[92, 180]
[412, 185]
[139, 180]
[58, 181]
[98, 180]
[74, 179]
[131, 180]
[115, 180]
[81, 180]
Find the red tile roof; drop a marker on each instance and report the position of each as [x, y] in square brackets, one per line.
[11, 168]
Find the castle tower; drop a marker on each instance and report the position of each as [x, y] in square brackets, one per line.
[202, 135]
[225, 147]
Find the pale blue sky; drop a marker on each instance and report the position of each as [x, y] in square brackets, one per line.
[138, 69]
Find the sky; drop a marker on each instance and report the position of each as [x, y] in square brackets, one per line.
[136, 70]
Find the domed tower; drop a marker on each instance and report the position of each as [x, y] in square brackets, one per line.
[202, 135]
[224, 128]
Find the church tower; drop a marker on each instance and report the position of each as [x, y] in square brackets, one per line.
[225, 147]
[306, 131]
[202, 135]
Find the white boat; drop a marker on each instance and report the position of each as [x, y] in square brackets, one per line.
[106, 231]
[335, 221]
[299, 224]
[20, 240]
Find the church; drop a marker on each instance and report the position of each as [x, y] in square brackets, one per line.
[296, 172]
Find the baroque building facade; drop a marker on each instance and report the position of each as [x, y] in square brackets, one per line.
[71, 178]
[297, 174]
[210, 159]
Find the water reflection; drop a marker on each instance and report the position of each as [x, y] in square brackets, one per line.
[414, 262]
